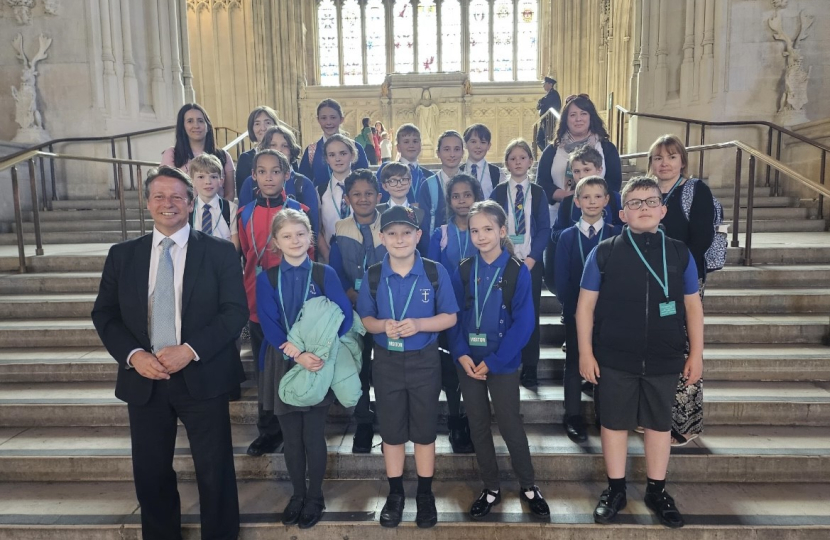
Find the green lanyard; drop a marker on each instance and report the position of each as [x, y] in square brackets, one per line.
[408, 300]
[480, 312]
[666, 197]
[288, 324]
[665, 282]
[579, 237]
[462, 249]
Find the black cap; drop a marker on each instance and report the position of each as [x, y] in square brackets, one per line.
[550, 80]
[398, 214]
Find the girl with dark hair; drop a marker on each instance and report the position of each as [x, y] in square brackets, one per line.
[260, 119]
[194, 136]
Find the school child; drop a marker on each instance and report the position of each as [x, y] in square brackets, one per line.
[341, 154]
[356, 246]
[297, 186]
[405, 301]
[408, 138]
[385, 148]
[478, 139]
[396, 180]
[496, 320]
[528, 226]
[281, 293]
[212, 214]
[313, 165]
[575, 243]
[270, 170]
[260, 119]
[431, 194]
[638, 301]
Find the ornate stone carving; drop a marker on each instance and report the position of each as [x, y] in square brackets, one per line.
[51, 6]
[22, 10]
[605, 29]
[27, 115]
[427, 112]
[780, 4]
[791, 110]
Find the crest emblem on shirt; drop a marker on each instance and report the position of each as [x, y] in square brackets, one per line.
[425, 296]
[311, 288]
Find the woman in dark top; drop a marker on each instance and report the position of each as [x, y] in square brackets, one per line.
[683, 196]
[259, 121]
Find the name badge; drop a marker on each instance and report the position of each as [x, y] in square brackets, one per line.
[258, 270]
[478, 340]
[517, 239]
[357, 283]
[395, 345]
[667, 309]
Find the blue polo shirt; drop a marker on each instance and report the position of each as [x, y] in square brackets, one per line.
[507, 332]
[425, 301]
[459, 246]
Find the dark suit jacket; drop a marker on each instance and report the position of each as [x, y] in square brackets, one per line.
[214, 310]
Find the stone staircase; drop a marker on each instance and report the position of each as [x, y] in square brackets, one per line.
[761, 470]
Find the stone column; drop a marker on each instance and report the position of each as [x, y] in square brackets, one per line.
[707, 64]
[176, 87]
[156, 76]
[130, 81]
[687, 67]
[637, 24]
[111, 100]
[187, 74]
[662, 70]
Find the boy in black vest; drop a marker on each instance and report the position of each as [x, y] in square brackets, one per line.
[638, 300]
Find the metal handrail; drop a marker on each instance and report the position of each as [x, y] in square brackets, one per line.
[551, 117]
[754, 155]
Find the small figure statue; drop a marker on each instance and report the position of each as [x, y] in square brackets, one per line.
[27, 115]
[22, 10]
[427, 113]
[795, 76]
[51, 6]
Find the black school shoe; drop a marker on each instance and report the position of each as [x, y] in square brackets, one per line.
[291, 514]
[460, 435]
[538, 506]
[392, 511]
[481, 507]
[609, 505]
[265, 444]
[575, 428]
[312, 512]
[427, 515]
[662, 504]
[363, 435]
[529, 378]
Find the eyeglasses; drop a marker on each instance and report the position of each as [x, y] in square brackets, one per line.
[574, 96]
[397, 181]
[636, 204]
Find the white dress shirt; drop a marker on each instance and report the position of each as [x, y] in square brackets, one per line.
[483, 176]
[220, 227]
[329, 213]
[522, 250]
[583, 227]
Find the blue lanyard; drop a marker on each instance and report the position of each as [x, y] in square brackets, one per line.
[462, 249]
[579, 237]
[665, 283]
[667, 195]
[288, 324]
[392, 302]
[480, 312]
[413, 183]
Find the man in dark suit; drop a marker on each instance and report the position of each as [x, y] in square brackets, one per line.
[169, 309]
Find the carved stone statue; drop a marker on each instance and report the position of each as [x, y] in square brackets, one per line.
[427, 113]
[51, 6]
[27, 115]
[791, 110]
[22, 10]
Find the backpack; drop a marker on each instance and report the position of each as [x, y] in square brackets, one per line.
[318, 276]
[226, 213]
[508, 281]
[248, 210]
[298, 189]
[430, 267]
[715, 256]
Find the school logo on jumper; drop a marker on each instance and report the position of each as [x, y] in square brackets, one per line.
[311, 288]
[425, 296]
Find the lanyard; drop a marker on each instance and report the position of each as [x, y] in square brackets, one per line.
[413, 184]
[335, 203]
[462, 249]
[666, 197]
[392, 302]
[480, 312]
[580, 235]
[665, 283]
[288, 324]
[258, 253]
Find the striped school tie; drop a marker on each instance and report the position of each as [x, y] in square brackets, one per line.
[519, 210]
[592, 232]
[163, 318]
[474, 170]
[207, 220]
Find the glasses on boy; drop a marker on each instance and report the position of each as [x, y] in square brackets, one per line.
[636, 204]
[396, 181]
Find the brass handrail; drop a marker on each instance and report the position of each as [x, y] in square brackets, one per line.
[551, 117]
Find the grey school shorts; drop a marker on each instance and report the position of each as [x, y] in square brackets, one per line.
[407, 388]
[628, 400]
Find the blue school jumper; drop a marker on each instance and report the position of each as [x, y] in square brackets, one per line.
[459, 246]
[297, 287]
[539, 216]
[425, 203]
[418, 173]
[507, 331]
[246, 195]
[354, 248]
[425, 302]
[318, 171]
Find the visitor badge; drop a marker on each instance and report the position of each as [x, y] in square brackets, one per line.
[357, 283]
[667, 309]
[395, 345]
[258, 269]
[478, 340]
[517, 239]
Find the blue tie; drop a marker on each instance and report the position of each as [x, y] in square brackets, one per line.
[592, 232]
[163, 318]
[518, 210]
[344, 205]
[474, 170]
[207, 220]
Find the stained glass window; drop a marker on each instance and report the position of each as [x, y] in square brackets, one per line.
[328, 46]
[404, 37]
[352, 43]
[451, 35]
[479, 40]
[503, 40]
[375, 42]
[427, 37]
[528, 30]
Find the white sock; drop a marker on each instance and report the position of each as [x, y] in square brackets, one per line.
[530, 494]
[490, 497]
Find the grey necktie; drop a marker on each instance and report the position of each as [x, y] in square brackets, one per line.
[163, 318]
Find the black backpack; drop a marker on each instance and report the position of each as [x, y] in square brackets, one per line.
[430, 267]
[508, 281]
[318, 276]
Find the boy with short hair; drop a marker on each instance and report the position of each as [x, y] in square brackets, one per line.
[575, 243]
[405, 301]
[638, 302]
[212, 214]
[356, 245]
[396, 182]
[408, 139]
[478, 138]
[270, 170]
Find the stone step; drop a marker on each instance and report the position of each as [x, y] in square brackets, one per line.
[765, 276]
[781, 225]
[85, 237]
[720, 454]
[759, 201]
[761, 213]
[722, 363]
[50, 283]
[780, 254]
[94, 225]
[805, 404]
[66, 216]
[95, 204]
[726, 511]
